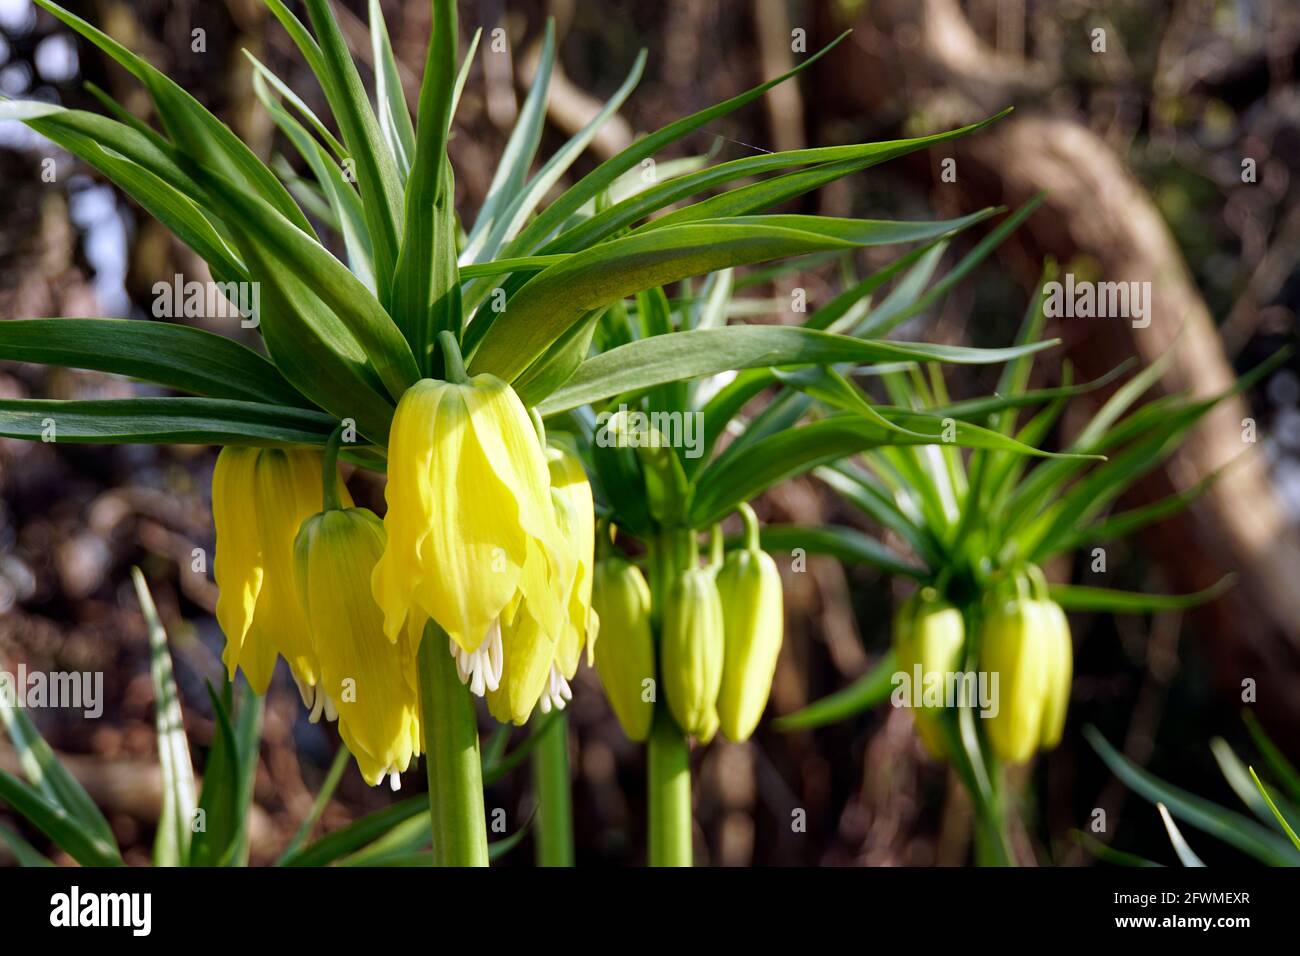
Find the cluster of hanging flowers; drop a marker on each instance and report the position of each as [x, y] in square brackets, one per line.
[720, 637]
[489, 535]
[1024, 639]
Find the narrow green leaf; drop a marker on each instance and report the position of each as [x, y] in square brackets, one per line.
[177, 356]
[394, 118]
[68, 833]
[522, 205]
[1078, 597]
[1282, 768]
[24, 853]
[1185, 854]
[359, 833]
[376, 170]
[268, 239]
[181, 421]
[426, 286]
[172, 842]
[869, 690]
[53, 781]
[607, 172]
[703, 352]
[1232, 828]
[1277, 814]
[219, 810]
[517, 157]
[845, 544]
[193, 128]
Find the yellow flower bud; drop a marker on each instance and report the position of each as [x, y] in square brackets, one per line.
[753, 615]
[625, 652]
[1026, 642]
[363, 676]
[929, 633]
[260, 498]
[1060, 671]
[693, 646]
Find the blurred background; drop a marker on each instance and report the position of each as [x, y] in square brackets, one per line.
[1141, 147]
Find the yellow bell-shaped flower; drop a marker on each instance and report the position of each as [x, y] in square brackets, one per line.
[470, 522]
[625, 653]
[929, 635]
[749, 586]
[260, 498]
[365, 676]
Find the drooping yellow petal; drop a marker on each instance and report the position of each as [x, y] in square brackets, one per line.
[238, 565]
[288, 493]
[362, 673]
[576, 522]
[527, 655]
[410, 502]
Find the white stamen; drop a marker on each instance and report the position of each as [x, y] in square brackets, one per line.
[395, 781]
[317, 705]
[557, 693]
[481, 668]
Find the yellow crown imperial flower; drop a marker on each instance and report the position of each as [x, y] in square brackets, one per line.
[365, 676]
[692, 650]
[260, 497]
[749, 586]
[470, 523]
[1026, 642]
[928, 635]
[625, 653]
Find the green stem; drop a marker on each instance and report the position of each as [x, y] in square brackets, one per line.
[451, 756]
[452, 362]
[668, 756]
[322, 800]
[554, 798]
[330, 472]
[669, 784]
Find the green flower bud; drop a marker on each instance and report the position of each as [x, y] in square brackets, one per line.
[753, 614]
[625, 653]
[929, 633]
[692, 650]
[1026, 642]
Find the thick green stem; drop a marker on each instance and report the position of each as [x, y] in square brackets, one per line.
[668, 756]
[554, 797]
[451, 756]
[669, 784]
